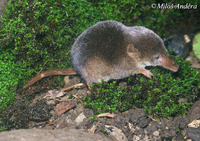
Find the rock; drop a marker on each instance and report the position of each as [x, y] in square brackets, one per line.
[180, 43]
[52, 94]
[151, 129]
[156, 133]
[193, 133]
[179, 122]
[64, 107]
[138, 116]
[80, 118]
[116, 133]
[183, 133]
[64, 122]
[194, 123]
[136, 138]
[50, 135]
[52, 97]
[194, 112]
[143, 122]
[179, 137]
[146, 138]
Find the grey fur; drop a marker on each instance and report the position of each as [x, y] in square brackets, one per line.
[108, 40]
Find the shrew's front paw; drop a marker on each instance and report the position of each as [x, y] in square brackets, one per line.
[146, 73]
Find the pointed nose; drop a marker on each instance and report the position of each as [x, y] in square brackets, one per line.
[169, 63]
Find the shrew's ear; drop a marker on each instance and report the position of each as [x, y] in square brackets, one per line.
[132, 51]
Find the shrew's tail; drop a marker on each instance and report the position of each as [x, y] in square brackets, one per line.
[49, 73]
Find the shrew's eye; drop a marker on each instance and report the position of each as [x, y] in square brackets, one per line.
[157, 57]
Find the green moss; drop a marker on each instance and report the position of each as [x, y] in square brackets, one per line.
[70, 96]
[158, 96]
[2, 128]
[10, 75]
[93, 118]
[196, 45]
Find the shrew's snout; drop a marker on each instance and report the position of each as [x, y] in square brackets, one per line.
[168, 63]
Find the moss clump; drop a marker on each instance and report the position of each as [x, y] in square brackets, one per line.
[10, 75]
[158, 96]
[2, 128]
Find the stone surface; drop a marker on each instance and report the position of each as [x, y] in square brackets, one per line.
[50, 135]
[179, 44]
[194, 123]
[116, 133]
[193, 133]
[80, 118]
[194, 113]
[63, 107]
[138, 116]
[156, 133]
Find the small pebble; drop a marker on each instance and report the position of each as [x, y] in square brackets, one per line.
[136, 138]
[156, 133]
[80, 118]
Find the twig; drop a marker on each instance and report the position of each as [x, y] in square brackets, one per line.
[73, 86]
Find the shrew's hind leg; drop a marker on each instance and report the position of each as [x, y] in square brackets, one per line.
[95, 70]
